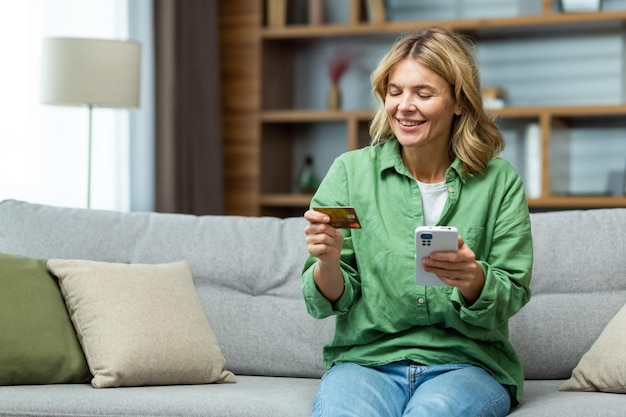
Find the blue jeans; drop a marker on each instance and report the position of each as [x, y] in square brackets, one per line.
[404, 389]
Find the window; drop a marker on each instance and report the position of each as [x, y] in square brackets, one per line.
[43, 148]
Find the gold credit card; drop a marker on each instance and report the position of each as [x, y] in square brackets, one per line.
[341, 217]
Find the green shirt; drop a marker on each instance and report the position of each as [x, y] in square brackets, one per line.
[383, 316]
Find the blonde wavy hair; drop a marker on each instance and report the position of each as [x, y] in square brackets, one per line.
[475, 138]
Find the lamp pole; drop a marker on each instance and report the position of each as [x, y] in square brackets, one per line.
[89, 151]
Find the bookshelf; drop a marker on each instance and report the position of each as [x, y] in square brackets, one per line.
[282, 120]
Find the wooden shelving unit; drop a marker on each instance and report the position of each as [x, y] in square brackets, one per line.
[277, 119]
[548, 21]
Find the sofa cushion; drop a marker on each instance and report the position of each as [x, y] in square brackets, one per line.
[247, 271]
[603, 367]
[140, 324]
[38, 343]
[577, 287]
[251, 396]
[542, 398]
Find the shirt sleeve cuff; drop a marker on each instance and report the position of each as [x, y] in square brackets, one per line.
[318, 305]
[480, 312]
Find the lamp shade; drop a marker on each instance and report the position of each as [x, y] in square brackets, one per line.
[94, 72]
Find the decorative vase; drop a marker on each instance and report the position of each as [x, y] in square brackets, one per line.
[333, 98]
[307, 179]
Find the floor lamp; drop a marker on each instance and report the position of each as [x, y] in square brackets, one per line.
[92, 73]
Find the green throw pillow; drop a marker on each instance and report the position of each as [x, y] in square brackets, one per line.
[38, 344]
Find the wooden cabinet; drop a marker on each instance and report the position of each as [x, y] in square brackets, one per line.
[286, 120]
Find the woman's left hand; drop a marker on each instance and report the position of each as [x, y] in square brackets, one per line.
[458, 269]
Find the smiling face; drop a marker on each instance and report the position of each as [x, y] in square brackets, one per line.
[420, 107]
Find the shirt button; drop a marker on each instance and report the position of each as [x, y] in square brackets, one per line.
[420, 300]
[451, 189]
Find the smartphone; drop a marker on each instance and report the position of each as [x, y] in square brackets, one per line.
[429, 239]
[341, 217]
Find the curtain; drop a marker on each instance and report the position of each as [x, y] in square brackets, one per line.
[189, 171]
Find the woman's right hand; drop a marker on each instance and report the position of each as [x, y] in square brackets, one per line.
[324, 242]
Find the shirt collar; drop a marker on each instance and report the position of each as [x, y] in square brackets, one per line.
[390, 158]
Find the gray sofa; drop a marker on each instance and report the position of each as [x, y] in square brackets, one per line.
[247, 274]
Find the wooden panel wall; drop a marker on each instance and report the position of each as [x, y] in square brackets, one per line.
[240, 53]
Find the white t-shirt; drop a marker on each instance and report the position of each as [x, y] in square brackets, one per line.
[434, 196]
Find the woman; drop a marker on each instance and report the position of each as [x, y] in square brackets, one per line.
[401, 349]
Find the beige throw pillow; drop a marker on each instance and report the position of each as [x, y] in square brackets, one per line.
[140, 324]
[603, 367]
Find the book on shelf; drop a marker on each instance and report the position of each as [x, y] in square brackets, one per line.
[375, 11]
[317, 12]
[276, 13]
[532, 158]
